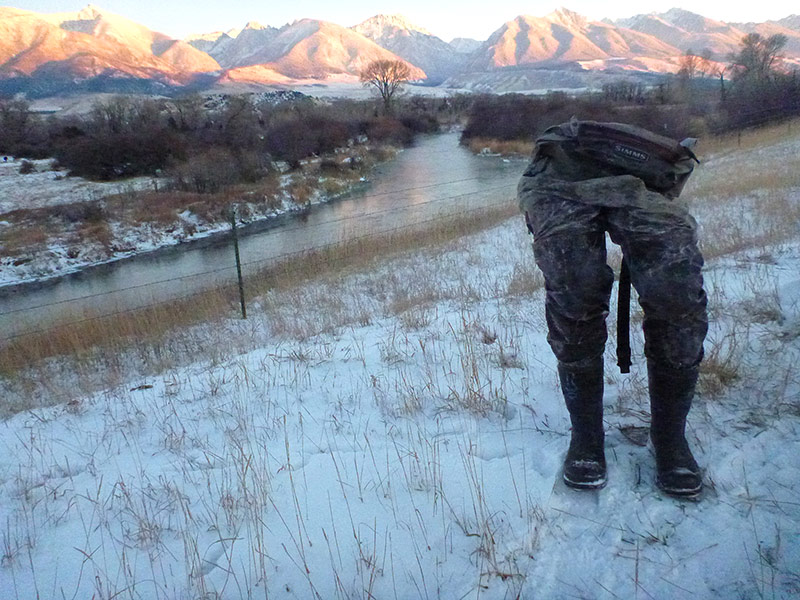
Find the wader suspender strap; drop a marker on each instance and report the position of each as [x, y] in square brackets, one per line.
[624, 319]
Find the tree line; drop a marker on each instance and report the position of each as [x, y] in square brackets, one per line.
[135, 135]
[704, 96]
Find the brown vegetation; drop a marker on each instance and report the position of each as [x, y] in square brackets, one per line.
[168, 332]
[204, 149]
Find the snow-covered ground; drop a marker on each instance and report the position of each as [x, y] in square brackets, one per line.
[410, 451]
[47, 187]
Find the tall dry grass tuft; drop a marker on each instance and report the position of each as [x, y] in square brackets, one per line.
[354, 256]
[749, 196]
[94, 349]
[749, 139]
[119, 330]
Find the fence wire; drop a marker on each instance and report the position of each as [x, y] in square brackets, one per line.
[255, 265]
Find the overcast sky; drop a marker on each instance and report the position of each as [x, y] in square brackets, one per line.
[444, 18]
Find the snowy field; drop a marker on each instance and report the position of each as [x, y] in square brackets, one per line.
[396, 433]
[47, 187]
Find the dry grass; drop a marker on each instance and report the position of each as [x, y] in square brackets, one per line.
[300, 190]
[166, 334]
[108, 334]
[157, 207]
[287, 294]
[749, 139]
[503, 147]
[19, 238]
[760, 222]
[163, 210]
[748, 197]
[722, 364]
[96, 233]
[213, 470]
[526, 279]
[724, 178]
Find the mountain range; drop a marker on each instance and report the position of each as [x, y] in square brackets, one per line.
[92, 42]
[96, 49]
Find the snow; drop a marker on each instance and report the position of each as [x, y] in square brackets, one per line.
[48, 187]
[382, 25]
[412, 455]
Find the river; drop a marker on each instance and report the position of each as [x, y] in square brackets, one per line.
[432, 179]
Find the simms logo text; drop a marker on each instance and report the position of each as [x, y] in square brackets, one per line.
[632, 153]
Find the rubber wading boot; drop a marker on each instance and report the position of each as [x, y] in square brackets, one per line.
[671, 393]
[582, 386]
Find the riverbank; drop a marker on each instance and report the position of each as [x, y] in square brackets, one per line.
[52, 225]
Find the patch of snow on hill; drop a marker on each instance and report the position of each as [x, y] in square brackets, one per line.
[48, 187]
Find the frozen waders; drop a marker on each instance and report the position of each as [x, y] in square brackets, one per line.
[569, 209]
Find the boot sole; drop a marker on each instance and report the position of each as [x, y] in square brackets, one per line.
[583, 485]
[686, 493]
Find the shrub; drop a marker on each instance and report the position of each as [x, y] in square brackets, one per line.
[291, 140]
[79, 212]
[752, 103]
[253, 165]
[420, 123]
[519, 117]
[206, 173]
[217, 168]
[297, 136]
[27, 167]
[388, 130]
[108, 156]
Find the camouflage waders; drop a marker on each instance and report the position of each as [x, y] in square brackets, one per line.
[568, 208]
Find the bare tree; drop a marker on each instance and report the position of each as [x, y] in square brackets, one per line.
[689, 65]
[623, 90]
[758, 56]
[707, 65]
[386, 76]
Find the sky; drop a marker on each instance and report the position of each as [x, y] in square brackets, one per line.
[444, 18]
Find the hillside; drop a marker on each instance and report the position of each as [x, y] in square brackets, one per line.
[95, 50]
[91, 43]
[563, 36]
[434, 56]
[310, 49]
[689, 31]
[388, 423]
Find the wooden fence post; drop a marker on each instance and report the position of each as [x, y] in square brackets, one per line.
[238, 260]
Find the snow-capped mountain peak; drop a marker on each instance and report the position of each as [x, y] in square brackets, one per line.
[692, 22]
[379, 25]
[89, 13]
[253, 25]
[412, 43]
[568, 18]
[94, 42]
[790, 22]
